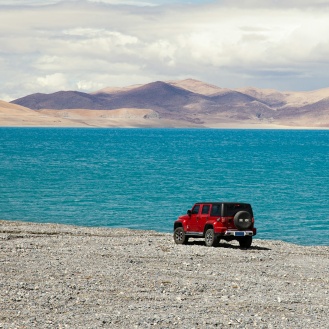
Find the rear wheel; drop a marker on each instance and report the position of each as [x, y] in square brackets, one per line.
[245, 242]
[210, 238]
[180, 236]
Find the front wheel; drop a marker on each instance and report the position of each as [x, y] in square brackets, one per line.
[210, 238]
[245, 242]
[179, 236]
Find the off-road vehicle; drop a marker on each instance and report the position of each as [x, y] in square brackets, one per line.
[215, 221]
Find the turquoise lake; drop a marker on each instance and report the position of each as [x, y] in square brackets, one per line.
[146, 178]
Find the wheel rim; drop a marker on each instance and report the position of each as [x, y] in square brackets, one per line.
[179, 236]
[209, 238]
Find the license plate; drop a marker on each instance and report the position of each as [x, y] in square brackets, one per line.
[239, 233]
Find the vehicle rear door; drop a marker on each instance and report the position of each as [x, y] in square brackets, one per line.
[204, 216]
[231, 209]
[229, 212]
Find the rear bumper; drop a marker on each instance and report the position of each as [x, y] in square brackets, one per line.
[225, 231]
[238, 233]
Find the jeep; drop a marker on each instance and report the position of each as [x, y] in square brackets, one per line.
[215, 221]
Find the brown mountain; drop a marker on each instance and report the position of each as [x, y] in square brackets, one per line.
[60, 100]
[184, 103]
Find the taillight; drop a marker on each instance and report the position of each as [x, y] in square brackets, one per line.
[221, 219]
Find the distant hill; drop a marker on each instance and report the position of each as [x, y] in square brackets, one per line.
[60, 100]
[12, 115]
[187, 103]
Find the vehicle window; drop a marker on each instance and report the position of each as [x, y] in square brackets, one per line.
[195, 209]
[232, 209]
[205, 209]
[216, 210]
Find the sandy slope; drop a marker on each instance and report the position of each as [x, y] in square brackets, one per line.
[198, 87]
[125, 117]
[17, 116]
[12, 115]
[291, 98]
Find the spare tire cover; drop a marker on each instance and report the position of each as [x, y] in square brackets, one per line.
[242, 220]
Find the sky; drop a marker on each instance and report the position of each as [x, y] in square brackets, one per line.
[87, 45]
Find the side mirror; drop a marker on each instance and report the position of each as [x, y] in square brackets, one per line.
[189, 212]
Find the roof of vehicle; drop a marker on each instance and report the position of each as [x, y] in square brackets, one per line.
[220, 202]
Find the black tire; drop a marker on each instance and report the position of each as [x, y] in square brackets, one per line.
[179, 236]
[245, 242]
[242, 220]
[210, 238]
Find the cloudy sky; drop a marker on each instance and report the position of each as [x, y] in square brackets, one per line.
[86, 45]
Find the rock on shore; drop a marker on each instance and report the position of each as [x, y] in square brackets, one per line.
[57, 276]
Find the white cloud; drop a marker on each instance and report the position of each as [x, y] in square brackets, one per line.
[52, 81]
[27, 2]
[125, 2]
[91, 44]
[89, 85]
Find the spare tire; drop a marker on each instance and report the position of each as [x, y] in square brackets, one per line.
[242, 220]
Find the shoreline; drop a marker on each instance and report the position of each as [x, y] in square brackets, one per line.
[57, 276]
[223, 127]
[74, 227]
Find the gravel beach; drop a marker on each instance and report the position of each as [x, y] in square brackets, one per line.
[58, 276]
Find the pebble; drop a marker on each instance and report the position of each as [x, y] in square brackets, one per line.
[58, 276]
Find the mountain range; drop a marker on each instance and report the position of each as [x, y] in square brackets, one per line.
[184, 103]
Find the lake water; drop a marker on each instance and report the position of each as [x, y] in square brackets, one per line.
[146, 178]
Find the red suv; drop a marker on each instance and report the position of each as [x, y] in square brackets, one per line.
[214, 221]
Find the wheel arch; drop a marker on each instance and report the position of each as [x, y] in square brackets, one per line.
[177, 224]
[206, 227]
